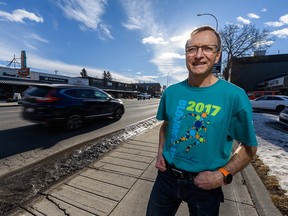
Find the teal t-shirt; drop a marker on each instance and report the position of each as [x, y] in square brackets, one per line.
[203, 121]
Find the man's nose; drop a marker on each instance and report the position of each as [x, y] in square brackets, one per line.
[199, 52]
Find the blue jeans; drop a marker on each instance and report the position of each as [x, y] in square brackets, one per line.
[168, 192]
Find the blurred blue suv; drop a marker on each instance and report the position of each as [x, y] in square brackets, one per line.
[69, 105]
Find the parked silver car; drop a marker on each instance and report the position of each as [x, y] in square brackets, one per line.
[283, 116]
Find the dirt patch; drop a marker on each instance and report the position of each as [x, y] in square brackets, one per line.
[277, 195]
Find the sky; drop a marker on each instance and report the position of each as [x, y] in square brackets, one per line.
[272, 146]
[135, 40]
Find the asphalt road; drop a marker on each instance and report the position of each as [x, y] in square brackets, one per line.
[23, 143]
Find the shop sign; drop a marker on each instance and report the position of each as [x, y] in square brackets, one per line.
[53, 79]
[276, 82]
[24, 72]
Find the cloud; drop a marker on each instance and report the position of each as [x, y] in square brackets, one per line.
[71, 70]
[170, 55]
[283, 33]
[283, 20]
[37, 38]
[263, 43]
[19, 15]
[243, 20]
[88, 13]
[154, 40]
[253, 16]
[140, 15]
[105, 32]
[29, 45]
[274, 24]
[135, 18]
[264, 10]
[146, 78]
[45, 65]
[176, 38]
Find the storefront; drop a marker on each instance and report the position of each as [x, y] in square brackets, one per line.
[14, 81]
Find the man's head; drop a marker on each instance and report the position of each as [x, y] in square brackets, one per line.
[203, 50]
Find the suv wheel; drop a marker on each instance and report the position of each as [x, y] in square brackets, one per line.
[118, 114]
[73, 122]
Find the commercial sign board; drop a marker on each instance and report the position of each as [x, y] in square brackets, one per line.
[14, 72]
[275, 82]
[79, 81]
[53, 79]
[24, 72]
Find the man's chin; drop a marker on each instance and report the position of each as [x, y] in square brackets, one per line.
[198, 72]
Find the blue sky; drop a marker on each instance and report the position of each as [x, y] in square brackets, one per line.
[136, 40]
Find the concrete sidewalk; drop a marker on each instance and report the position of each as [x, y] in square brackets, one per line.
[8, 104]
[121, 181]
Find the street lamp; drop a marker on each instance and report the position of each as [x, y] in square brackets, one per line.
[209, 14]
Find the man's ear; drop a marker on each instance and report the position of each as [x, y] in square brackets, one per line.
[218, 56]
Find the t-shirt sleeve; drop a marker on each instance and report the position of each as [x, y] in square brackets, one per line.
[241, 126]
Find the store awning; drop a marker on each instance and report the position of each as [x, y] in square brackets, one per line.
[121, 91]
[18, 82]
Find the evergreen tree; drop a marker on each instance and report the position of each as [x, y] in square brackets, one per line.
[109, 76]
[104, 75]
[83, 73]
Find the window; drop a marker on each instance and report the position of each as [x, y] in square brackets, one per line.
[73, 92]
[38, 91]
[274, 98]
[100, 95]
[87, 93]
[261, 98]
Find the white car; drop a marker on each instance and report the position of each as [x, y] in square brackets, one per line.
[143, 96]
[270, 102]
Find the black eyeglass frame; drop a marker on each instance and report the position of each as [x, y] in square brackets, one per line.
[207, 46]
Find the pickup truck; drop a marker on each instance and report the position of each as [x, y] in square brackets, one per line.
[143, 96]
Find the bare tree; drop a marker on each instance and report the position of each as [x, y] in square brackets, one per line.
[239, 41]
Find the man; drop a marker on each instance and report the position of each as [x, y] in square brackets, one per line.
[202, 116]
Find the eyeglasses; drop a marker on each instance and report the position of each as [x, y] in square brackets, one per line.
[206, 49]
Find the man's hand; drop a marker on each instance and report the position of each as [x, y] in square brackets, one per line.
[160, 163]
[208, 180]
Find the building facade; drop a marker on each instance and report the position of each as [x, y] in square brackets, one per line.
[12, 81]
[267, 72]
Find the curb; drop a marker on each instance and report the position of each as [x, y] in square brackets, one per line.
[259, 193]
[9, 104]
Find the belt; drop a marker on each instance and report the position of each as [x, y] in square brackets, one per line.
[180, 173]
